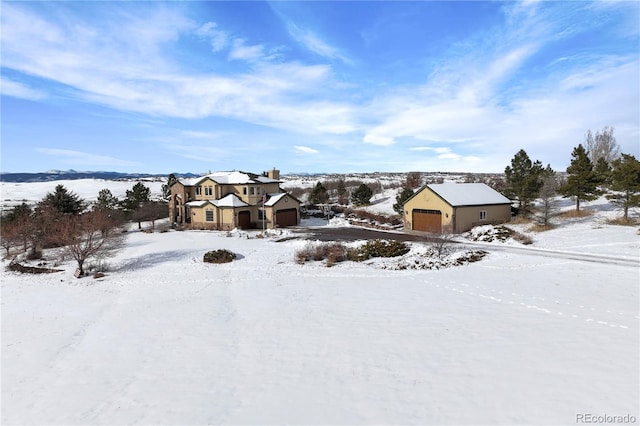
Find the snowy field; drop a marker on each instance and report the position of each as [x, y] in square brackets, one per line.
[534, 334]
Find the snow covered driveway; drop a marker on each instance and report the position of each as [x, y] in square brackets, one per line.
[166, 339]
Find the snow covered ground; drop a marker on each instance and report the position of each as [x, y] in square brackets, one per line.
[517, 338]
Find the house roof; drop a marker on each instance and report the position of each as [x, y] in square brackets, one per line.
[229, 178]
[197, 203]
[230, 200]
[274, 198]
[468, 194]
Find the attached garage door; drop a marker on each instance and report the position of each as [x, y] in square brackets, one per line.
[287, 217]
[427, 220]
[244, 220]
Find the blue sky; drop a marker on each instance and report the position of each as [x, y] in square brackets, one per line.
[313, 86]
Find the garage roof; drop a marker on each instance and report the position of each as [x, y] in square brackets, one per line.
[468, 194]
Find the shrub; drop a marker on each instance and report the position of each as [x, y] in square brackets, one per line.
[332, 252]
[219, 256]
[377, 248]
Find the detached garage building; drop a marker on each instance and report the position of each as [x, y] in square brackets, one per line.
[455, 207]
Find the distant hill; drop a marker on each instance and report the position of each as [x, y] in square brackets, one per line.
[53, 175]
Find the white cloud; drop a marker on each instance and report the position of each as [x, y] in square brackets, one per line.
[316, 45]
[108, 67]
[240, 51]
[219, 39]
[19, 90]
[83, 159]
[305, 149]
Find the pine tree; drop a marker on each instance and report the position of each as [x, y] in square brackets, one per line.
[625, 181]
[362, 195]
[64, 201]
[106, 201]
[582, 181]
[318, 194]
[166, 188]
[602, 170]
[401, 198]
[135, 197]
[523, 180]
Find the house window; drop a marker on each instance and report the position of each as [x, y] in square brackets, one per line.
[209, 215]
[198, 190]
[208, 190]
[252, 190]
[262, 215]
[483, 215]
[244, 191]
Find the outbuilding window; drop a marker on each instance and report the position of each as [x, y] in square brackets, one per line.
[483, 215]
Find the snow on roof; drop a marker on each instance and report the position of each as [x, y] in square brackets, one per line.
[230, 200]
[197, 203]
[230, 178]
[274, 198]
[468, 194]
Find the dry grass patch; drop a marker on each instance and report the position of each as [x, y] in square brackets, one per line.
[571, 214]
[521, 220]
[623, 222]
[540, 228]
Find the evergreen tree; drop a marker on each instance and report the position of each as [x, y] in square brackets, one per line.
[625, 181]
[106, 201]
[135, 197]
[582, 181]
[362, 195]
[318, 194]
[166, 188]
[64, 201]
[401, 198]
[523, 180]
[603, 172]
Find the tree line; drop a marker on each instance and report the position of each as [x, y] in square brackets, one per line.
[79, 230]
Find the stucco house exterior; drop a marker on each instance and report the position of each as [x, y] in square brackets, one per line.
[455, 207]
[228, 200]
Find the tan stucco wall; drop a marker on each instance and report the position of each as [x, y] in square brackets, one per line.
[427, 200]
[468, 217]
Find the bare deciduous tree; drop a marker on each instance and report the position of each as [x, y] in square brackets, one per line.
[602, 145]
[92, 234]
[548, 203]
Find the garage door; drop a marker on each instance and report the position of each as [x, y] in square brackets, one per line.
[244, 220]
[287, 217]
[427, 220]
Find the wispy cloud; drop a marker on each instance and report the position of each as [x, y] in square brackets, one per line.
[315, 44]
[19, 90]
[85, 159]
[305, 149]
[134, 70]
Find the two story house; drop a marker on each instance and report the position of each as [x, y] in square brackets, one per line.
[228, 200]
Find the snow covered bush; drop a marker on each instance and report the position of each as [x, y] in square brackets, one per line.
[219, 256]
[378, 248]
[490, 233]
